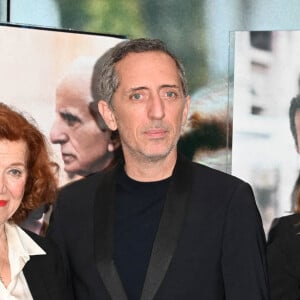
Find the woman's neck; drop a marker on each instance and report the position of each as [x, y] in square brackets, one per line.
[2, 233]
[5, 273]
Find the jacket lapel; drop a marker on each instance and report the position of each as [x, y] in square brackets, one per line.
[103, 229]
[166, 239]
[35, 279]
[169, 228]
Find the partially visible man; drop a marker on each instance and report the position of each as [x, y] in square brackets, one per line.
[158, 226]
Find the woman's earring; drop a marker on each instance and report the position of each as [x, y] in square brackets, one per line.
[110, 147]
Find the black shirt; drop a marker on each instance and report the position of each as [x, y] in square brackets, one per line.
[138, 211]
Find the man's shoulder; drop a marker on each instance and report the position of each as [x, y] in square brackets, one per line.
[84, 184]
[80, 193]
[215, 175]
[286, 223]
[285, 230]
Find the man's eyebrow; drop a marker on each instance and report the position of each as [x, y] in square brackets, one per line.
[69, 116]
[169, 86]
[138, 88]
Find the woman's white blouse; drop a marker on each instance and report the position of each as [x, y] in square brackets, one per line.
[20, 248]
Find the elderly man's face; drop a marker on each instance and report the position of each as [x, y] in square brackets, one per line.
[83, 144]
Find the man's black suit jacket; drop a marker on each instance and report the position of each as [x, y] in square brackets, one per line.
[45, 274]
[284, 258]
[210, 243]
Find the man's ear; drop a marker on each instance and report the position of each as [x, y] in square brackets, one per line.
[186, 109]
[107, 115]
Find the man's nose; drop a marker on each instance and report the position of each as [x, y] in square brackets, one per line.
[57, 133]
[156, 108]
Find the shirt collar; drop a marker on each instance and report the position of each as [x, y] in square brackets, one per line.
[20, 248]
[20, 243]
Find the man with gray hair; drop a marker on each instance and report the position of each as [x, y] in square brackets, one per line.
[157, 226]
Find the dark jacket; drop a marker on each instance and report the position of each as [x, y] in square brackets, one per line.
[283, 252]
[45, 274]
[210, 242]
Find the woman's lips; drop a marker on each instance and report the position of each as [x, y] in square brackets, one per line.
[3, 203]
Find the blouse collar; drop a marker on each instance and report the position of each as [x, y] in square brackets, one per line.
[20, 246]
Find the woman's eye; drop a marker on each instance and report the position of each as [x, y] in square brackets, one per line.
[15, 172]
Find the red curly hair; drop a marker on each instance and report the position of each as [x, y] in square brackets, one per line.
[41, 184]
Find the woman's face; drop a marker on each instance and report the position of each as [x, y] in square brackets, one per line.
[13, 175]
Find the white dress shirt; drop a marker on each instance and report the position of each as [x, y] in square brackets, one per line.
[20, 247]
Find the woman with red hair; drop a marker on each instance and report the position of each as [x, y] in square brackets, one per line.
[30, 266]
